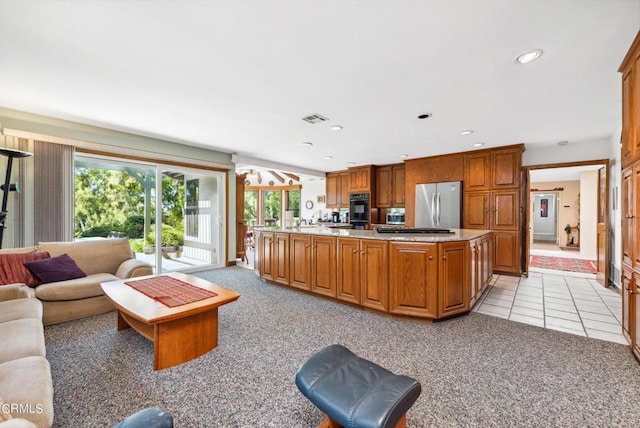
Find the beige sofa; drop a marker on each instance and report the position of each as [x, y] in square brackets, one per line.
[102, 260]
[26, 388]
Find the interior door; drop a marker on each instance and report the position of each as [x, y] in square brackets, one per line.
[526, 188]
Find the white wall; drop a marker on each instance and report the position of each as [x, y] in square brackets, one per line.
[572, 152]
[589, 214]
[310, 192]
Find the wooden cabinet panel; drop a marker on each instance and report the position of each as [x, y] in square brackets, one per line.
[634, 316]
[506, 252]
[374, 277]
[343, 201]
[323, 265]
[628, 306]
[348, 285]
[505, 168]
[300, 261]
[627, 205]
[265, 248]
[413, 271]
[635, 107]
[390, 190]
[505, 210]
[486, 260]
[453, 275]
[476, 210]
[281, 258]
[398, 186]
[634, 212]
[384, 186]
[628, 112]
[361, 179]
[475, 271]
[333, 190]
[477, 171]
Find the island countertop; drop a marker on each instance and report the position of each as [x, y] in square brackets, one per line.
[455, 235]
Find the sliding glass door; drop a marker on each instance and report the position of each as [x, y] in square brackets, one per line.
[115, 198]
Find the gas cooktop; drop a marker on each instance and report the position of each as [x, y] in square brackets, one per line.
[412, 230]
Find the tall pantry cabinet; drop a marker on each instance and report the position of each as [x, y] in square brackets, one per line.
[630, 199]
[492, 201]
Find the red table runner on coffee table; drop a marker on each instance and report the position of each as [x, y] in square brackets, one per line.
[170, 291]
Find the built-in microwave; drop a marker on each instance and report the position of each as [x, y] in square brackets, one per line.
[395, 218]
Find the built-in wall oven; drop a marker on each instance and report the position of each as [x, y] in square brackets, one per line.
[359, 210]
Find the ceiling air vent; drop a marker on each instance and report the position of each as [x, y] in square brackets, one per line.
[315, 118]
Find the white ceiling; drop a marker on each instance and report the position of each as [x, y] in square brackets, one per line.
[238, 76]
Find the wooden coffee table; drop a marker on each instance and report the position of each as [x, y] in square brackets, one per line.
[179, 334]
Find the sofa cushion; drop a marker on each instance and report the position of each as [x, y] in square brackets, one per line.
[21, 338]
[93, 255]
[54, 269]
[12, 269]
[27, 383]
[31, 249]
[74, 289]
[20, 308]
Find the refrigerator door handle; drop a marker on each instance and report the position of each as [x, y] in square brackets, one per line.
[433, 208]
[438, 211]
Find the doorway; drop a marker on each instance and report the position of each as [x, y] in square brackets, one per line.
[566, 210]
[545, 218]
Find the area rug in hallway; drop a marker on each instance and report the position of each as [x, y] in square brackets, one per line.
[561, 263]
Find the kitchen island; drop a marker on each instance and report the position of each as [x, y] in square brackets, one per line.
[419, 275]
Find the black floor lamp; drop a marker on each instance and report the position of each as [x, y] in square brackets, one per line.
[7, 186]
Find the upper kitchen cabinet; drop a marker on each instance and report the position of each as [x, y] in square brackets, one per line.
[477, 171]
[630, 69]
[361, 179]
[505, 168]
[390, 186]
[337, 187]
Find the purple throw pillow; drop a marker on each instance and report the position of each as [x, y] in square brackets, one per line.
[54, 269]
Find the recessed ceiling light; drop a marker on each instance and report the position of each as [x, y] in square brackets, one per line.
[467, 132]
[351, 164]
[328, 157]
[404, 155]
[563, 143]
[425, 115]
[336, 128]
[527, 57]
[307, 144]
[478, 145]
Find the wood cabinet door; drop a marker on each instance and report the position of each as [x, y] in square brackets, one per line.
[476, 210]
[281, 258]
[505, 210]
[453, 278]
[413, 284]
[348, 270]
[398, 190]
[300, 261]
[343, 200]
[323, 265]
[505, 168]
[486, 258]
[477, 172]
[333, 190]
[633, 219]
[475, 270]
[627, 205]
[355, 180]
[628, 307]
[506, 252]
[374, 275]
[634, 316]
[384, 186]
[265, 248]
[629, 108]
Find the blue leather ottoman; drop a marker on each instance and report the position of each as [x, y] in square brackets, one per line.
[354, 392]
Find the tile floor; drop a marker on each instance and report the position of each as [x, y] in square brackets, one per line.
[566, 303]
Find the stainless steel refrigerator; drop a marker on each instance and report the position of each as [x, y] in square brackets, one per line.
[439, 205]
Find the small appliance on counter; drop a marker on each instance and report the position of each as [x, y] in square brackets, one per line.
[335, 217]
